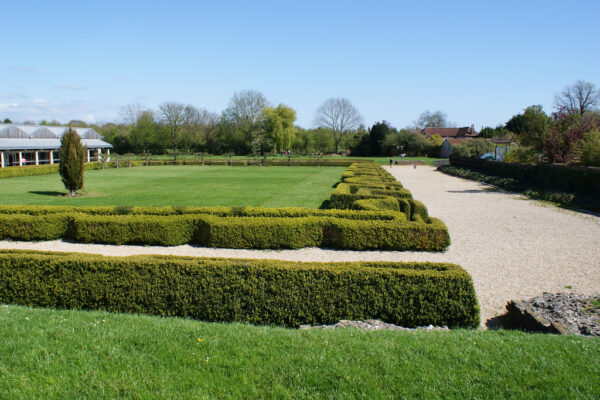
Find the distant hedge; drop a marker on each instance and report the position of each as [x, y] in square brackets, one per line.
[575, 187]
[551, 177]
[252, 291]
[45, 169]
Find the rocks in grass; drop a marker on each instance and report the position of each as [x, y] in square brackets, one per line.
[558, 313]
[372, 325]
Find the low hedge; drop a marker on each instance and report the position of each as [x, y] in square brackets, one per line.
[386, 203]
[252, 291]
[28, 170]
[285, 212]
[230, 232]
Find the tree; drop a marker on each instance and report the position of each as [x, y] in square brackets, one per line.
[577, 98]
[590, 149]
[7, 121]
[489, 132]
[279, 126]
[131, 113]
[530, 127]
[242, 120]
[437, 119]
[339, 116]
[172, 114]
[72, 159]
[411, 142]
[473, 148]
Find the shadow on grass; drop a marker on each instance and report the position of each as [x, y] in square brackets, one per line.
[48, 193]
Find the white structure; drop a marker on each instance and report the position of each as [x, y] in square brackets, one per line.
[40, 144]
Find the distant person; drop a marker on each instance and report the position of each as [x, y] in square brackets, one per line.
[415, 166]
[391, 162]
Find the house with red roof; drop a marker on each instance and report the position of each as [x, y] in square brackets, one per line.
[451, 136]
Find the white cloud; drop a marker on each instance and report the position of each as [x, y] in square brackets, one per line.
[70, 87]
[23, 69]
[39, 109]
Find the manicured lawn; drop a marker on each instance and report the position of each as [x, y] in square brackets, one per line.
[182, 186]
[73, 354]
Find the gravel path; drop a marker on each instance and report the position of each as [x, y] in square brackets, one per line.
[513, 248]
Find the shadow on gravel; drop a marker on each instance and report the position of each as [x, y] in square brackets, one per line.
[486, 190]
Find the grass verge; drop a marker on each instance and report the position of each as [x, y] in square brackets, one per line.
[53, 354]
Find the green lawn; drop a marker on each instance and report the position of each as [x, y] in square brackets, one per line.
[73, 354]
[182, 186]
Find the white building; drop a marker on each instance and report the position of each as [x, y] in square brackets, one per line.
[40, 144]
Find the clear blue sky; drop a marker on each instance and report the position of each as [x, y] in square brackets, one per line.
[480, 62]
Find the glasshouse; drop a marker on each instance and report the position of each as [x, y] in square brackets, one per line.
[39, 144]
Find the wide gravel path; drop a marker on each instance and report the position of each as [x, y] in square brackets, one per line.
[513, 248]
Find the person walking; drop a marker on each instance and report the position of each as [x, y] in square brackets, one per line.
[391, 162]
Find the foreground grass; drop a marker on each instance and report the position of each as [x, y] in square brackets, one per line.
[72, 354]
[182, 186]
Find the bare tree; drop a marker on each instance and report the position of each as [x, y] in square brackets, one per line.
[245, 108]
[577, 98]
[131, 113]
[428, 119]
[339, 116]
[191, 127]
[172, 115]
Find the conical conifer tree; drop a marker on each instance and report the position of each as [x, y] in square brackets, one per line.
[72, 158]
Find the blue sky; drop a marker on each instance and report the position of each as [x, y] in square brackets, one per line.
[480, 62]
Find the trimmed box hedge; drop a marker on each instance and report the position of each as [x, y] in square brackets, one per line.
[230, 232]
[253, 291]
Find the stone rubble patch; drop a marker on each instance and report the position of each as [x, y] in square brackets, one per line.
[373, 325]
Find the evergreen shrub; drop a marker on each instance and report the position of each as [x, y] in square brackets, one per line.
[267, 292]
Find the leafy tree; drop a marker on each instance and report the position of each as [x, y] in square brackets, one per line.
[497, 132]
[531, 127]
[589, 148]
[340, 117]
[473, 148]
[565, 131]
[72, 159]
[242, 122]
[279, 126]
[412, 143]
[7, 121]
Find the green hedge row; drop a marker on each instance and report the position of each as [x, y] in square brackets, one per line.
[265, 292]
[547, 177]
[575, 200]
[230, 232]
[286, 212]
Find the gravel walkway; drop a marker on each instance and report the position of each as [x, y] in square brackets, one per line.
[513, 248]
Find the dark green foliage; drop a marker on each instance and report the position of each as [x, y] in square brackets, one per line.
[29, 170]
[254, 291]
[568, 186]
[473, 148]
[387, 203]
[72, 160]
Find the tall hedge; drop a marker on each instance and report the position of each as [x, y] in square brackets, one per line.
[254, 291]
